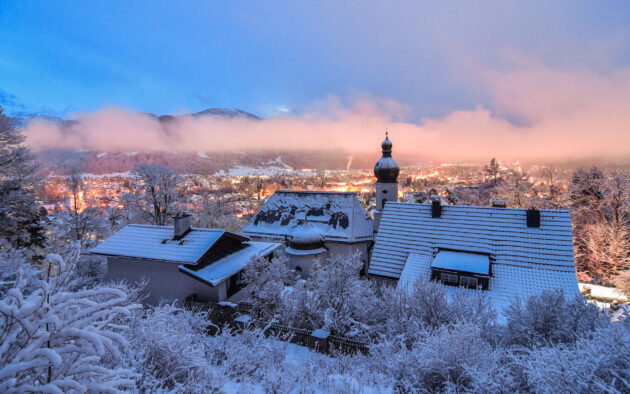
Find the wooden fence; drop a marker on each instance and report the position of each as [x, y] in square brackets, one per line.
[225, 314]
[326, 345]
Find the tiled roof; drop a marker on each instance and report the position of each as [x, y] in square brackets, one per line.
[157, 243]
[337, 216]
[500, 232]
[507, 282]
[227, 266]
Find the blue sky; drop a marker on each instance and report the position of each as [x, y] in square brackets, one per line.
[265, 57]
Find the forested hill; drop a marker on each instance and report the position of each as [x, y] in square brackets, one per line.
[60, 162]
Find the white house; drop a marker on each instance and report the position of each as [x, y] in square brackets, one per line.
[506, 252]
[180, 262]
[301, 218]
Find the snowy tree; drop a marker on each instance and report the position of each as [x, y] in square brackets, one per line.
[167, 348]
[13, 268]
[599, 362]
[158, 194]
[492, 169]
[55, 340]
[586, 192]
[268, 280]
[20, 217]
[345, 299]
[550, 318]
[602, 234]
[622, 282]
[85, 222]
[553, 198]
[604, 250]
[516, 189]
[213, 215]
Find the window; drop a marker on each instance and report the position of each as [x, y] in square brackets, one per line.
[468, 281]
[460, 279]
[449, 278]
[384, 191]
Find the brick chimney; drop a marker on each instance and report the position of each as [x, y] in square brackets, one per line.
[499, 203]
[182, 225]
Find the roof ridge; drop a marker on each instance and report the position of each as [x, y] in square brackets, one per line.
[455, 206]
[314, 192]
[155, 226]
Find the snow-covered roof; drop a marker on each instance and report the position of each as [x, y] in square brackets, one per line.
[310, 252]
[157, 243]
[219, 270]
[338, 216]
[507, 281]
[461, 261]
[603, 292]
[522, 257]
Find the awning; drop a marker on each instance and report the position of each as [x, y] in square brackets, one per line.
[462, 261]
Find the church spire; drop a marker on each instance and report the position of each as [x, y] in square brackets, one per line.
[386, 169]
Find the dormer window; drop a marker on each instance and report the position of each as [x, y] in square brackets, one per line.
[465, 269]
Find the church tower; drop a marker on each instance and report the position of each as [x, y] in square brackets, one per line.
[386, 171]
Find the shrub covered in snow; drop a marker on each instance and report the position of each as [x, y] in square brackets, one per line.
[55, 340]
[58, 336]
[171, 351]
[551, 318]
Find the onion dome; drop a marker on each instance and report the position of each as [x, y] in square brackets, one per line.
[306, 240]
[386, 169]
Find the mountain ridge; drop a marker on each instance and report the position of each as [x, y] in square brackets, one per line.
[21, 119]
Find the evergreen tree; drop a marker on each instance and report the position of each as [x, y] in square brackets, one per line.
[20, 217]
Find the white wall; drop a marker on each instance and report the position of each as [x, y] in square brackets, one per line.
[306, 262]
[165, 280]
[340, 248]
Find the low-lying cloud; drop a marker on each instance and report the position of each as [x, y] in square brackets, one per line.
[535, 112]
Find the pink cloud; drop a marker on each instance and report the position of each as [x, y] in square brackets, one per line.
[569, 113]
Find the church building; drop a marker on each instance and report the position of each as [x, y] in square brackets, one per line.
[504, 252]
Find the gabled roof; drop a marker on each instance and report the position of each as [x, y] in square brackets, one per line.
[219, 270]
[157, 243]
[338, 216]
[501, 233]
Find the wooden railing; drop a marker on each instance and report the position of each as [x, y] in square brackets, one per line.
[222, 315]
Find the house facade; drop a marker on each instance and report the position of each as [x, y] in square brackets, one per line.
[180, 262]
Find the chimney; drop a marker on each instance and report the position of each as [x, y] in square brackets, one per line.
[533, 217]
[182, 225]
[436, 208]
[499, 203]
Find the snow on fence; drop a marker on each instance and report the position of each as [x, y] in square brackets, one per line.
[228, 314]
[321, 343]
